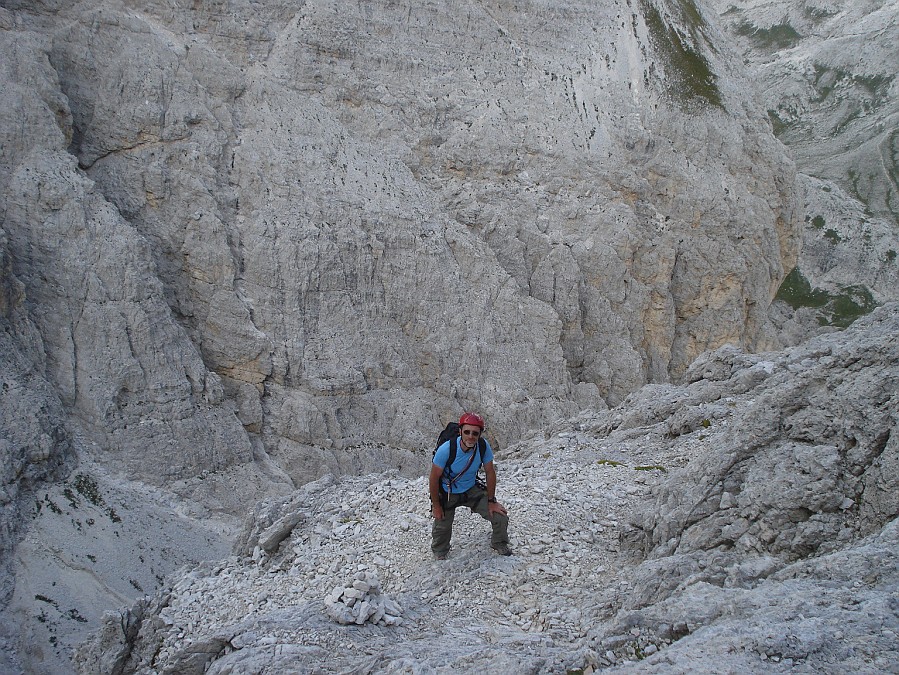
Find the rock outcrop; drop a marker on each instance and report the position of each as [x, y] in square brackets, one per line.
[36, 446]
[744, 522]
[826, 73]
[806, 466]
[251, 243]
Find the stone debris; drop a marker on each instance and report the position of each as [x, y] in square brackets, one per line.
[362, 602]
[617, 531]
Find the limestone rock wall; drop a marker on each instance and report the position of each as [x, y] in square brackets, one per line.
[119, 363]
[35, 445]
[367, 218]
[825, 72]
[805, 467]
[827, 75]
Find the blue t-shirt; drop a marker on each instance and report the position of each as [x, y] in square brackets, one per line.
[466, 481]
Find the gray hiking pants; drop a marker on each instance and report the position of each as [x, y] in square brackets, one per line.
[476, 500]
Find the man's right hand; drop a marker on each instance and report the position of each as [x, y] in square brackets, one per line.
[437, 511]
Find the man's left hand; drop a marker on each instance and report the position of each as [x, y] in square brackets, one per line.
[496, 507]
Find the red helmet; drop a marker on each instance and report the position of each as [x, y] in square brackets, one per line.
[471, 418]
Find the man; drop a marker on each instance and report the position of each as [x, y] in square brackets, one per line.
[460, 487]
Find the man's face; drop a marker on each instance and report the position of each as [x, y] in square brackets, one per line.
[470, 434]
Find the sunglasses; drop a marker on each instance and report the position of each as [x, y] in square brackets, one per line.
[471, 432]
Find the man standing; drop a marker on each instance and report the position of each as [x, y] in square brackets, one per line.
[453, 483]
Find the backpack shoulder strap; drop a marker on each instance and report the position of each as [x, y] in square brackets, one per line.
[452, 456]
[482, 448]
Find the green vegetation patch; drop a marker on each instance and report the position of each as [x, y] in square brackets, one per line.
[876, 85]
[691, 80]
[75, 615]
[852, 303]
[781, 36]
[874, 88]
[832, 236]
[818, 14]
[779, 126]
[693, 16]
[797, 292]
[608, 462]
[826, 79]
[838, 310]
[88, 488]
[651, 467]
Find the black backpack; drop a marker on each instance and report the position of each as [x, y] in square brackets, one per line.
[451, 433]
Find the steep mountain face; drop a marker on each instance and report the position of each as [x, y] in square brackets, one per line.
[35, 445]
[826, 73]
[374, 214]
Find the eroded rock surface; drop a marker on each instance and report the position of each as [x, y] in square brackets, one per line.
[746, 522]
[826, 73]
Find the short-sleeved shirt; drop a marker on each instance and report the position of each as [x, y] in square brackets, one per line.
[466, 481]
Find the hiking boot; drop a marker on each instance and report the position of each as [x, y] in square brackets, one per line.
[502, 549]
[440, 556]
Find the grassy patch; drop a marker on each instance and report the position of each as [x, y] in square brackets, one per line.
[818, 222]
[818, 14]
[608, 462]
[52, 505]
[781, 36]
[797, 292]
[778, 125]
[852, 303]
[75, 615]
[651, 467]
[834, 309]
[690, 78]
[88, 488]
[876, 85]
[826, 80]
[832, 236]
[73, 502]
[871, 88]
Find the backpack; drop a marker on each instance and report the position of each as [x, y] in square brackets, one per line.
[451, 433]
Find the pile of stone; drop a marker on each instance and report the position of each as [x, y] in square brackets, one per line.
[362, 602]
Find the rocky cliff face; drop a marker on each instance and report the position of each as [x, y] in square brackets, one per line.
[244, 246]
[826, 73]
[827, 76]
[355, 212]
